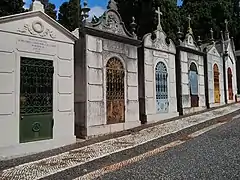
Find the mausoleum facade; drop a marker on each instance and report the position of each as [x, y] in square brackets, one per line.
[37, 84]
[157, 77]
[106, 77]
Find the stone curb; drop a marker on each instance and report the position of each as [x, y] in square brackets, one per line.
[5, 164]
[135, 151]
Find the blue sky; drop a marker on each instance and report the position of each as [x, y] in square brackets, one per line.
[97, 6]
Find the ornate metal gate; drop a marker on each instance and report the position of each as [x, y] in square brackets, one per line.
[115, 91]
[216, 84]
[36, 99]
[230, 90]
[161, 88]
[193, 77]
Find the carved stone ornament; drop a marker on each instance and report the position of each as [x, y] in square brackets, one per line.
[190, 40]
[160, 42]
[37, 28]
[111, 22]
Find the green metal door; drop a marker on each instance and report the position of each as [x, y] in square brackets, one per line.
[36, 100]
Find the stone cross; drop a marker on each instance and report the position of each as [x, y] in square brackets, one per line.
[226, 31]
[189, 21]
[189, 24]
[159, 27]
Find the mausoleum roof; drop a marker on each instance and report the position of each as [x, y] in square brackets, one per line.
[43, 16]
[111, 22]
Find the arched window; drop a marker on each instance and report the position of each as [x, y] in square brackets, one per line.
[193, 80]
[115, 94]
[230, 89]
[216, 84]
[161, 75]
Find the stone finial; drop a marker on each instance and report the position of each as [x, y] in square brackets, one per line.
[233, 45]
[189, 24]
[112, 5]
[37, 6]
[179, 33]
[199, 41]
[159, 13]
[85, 10]
[222, 37]
[133, 26]
[211, 32]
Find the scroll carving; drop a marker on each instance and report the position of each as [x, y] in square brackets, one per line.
[160, 44]
[37, 28]
[111, 22]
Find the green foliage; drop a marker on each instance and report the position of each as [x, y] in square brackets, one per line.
[9, 7]
[50, 10]
[207, 14]
[141, 10]
[146, 18]
[68, 15]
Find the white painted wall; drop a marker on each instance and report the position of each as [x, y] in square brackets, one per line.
[231, 63]
[186, 60]
[156, 51]
[18, 41]
[98, 52]
[214, 57]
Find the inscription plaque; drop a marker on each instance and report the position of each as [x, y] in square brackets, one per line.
[36, 46]
[160, 54]
[114, 47]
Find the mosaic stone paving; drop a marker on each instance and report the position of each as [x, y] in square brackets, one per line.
[117, 166]
[58, 163]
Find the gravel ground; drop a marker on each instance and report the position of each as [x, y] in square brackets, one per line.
[214, 155]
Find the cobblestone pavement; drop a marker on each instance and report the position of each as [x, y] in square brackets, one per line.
[55, 164]
[214, 155]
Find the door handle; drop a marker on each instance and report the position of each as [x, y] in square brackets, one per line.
[21, 117]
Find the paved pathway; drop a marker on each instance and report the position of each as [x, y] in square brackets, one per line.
[214, 155]
[52, 165]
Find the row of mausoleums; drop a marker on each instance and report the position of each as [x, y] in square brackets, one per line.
[56, 85]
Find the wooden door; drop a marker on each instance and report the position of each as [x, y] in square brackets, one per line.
[161, 74]
[193, 78]
[115, 94]
[216, 84]
[230, 89]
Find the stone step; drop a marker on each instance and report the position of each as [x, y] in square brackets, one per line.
[90, 156]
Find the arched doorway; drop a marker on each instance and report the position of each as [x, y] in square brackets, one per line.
[115, 95]
[193, 77]
[161, 88]
[230, 90]
[216, 84]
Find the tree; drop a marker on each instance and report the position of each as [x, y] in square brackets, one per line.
[44, 2]
[146, 18]
[68, 14]
[9, 7]
[206, 14]
[50, 10]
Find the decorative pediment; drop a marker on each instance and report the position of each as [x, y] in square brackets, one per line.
[36, 28]
[38, 24]
[111, 22]
[159, 42]
[190, 42]
[212, 50]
